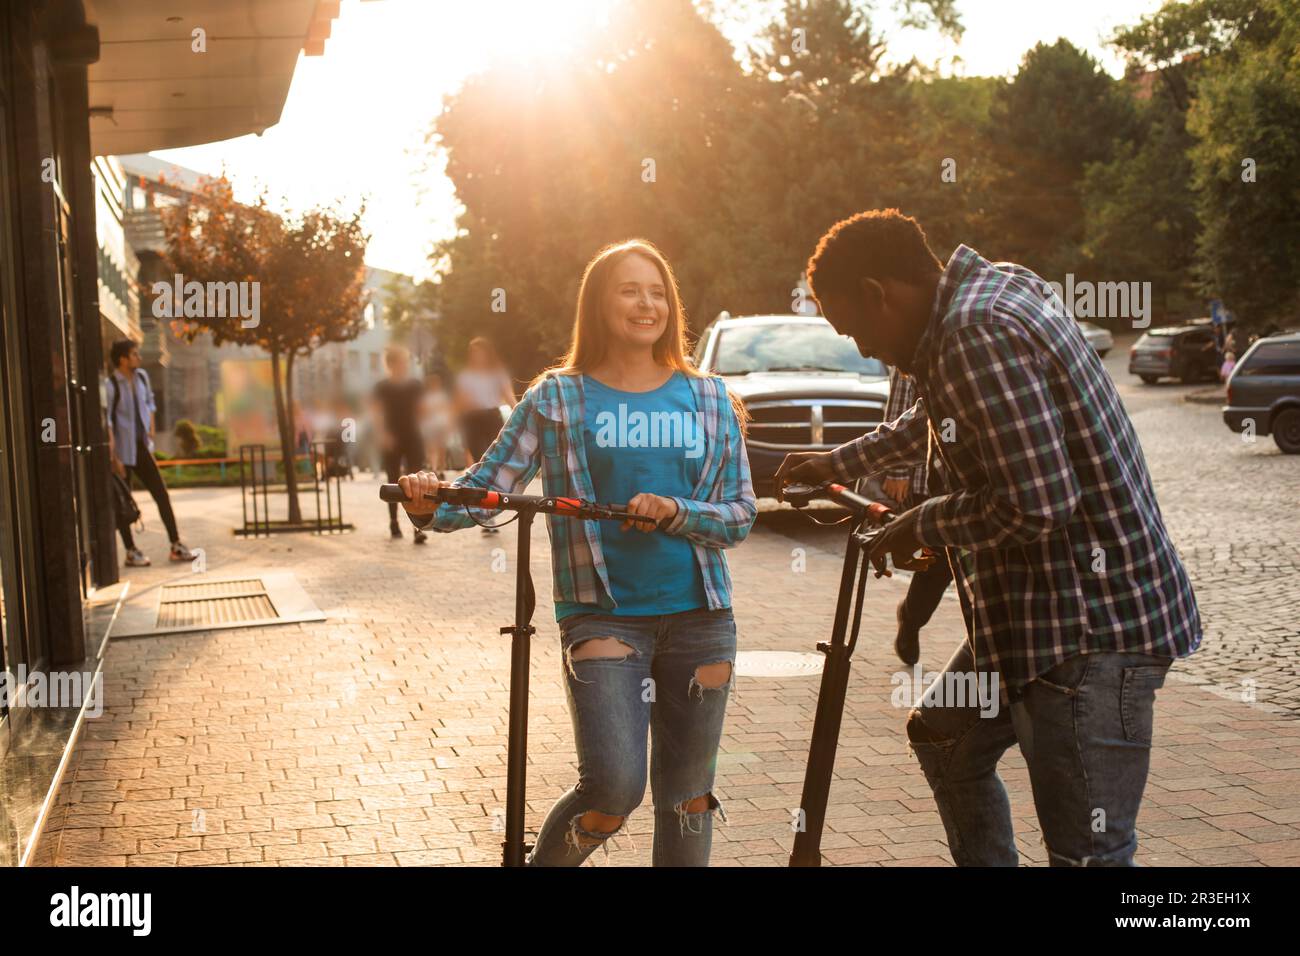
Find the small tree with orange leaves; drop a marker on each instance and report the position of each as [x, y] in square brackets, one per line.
[306, 272]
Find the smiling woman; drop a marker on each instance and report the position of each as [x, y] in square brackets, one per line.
[627, 417]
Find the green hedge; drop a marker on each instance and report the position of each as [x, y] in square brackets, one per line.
[197, 476]
[198, 441]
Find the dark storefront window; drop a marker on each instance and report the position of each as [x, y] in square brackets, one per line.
[11, 630]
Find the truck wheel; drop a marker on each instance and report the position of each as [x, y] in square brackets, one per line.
[1286, 431]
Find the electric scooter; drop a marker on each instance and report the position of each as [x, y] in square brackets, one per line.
[868, 519]
[514, 850]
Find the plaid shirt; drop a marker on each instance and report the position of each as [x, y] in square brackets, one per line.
[902, 396]
[545, 431]
[1068, 553]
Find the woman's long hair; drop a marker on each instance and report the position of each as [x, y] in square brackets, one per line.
[591, 333]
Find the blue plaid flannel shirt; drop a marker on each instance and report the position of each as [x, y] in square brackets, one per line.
[545, 432]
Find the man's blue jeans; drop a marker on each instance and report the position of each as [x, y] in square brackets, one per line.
[648, 685]
[1084, 728]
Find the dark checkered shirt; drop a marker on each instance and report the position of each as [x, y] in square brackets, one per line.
[1068, 552]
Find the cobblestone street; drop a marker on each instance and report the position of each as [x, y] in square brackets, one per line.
[1233, 508]
[377, 737]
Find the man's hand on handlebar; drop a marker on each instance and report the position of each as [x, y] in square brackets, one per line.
[656, 506]
[415, 487]
[898, 540]
[805, 467]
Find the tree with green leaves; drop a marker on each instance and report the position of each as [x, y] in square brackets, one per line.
[632, 135]
[1139, 213]
[1060, 113]
[1234, 66]
[1246, 168]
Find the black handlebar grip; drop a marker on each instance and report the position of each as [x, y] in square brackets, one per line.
[392, 493]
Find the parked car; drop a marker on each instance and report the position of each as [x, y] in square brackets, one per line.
[1264, 389]
[1100, 339]
[1186, 352]
[805, 386]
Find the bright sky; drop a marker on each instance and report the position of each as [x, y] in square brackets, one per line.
[355, 118]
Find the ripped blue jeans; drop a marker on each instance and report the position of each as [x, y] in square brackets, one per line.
[647, 684]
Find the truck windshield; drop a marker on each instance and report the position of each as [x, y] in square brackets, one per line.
[792, 347]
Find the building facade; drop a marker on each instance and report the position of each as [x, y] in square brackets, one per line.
[81, 80]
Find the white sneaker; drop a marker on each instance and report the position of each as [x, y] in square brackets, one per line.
[181, 553]
[135, 559]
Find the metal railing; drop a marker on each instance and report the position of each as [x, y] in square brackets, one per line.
[253, 478]
[327, 470]
[327, 466]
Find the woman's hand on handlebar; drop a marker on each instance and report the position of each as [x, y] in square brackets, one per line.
[656, 506]
[415, 487]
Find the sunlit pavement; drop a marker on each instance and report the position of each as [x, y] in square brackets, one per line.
[378, 736]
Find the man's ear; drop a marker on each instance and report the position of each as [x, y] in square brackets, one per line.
[873, 294]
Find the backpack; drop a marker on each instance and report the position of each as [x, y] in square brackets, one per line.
[124, 505]
[128, 512]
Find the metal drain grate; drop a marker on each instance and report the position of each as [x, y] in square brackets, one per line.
[215, 612]
[214, 603]
[273, 598]
[211, 589]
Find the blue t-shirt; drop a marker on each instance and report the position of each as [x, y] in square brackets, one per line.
[644, 442]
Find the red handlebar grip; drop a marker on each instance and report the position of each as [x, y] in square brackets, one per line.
[874, 510]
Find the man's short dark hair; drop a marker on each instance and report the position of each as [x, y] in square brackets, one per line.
[120, 350]
[878, 244]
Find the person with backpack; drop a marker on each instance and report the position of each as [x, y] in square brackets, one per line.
[131, 410]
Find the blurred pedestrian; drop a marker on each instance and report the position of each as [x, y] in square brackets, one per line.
[1229, 363]
[131, 409]
[482, 387]
[301, 428]
[397, 401]
[1234, 342]
[437, 424]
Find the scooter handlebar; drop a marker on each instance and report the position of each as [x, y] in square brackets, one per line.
[800, 494]
[392, 493]
[490, 500]
[453, 494]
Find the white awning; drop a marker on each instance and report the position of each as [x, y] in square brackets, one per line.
[150, 89]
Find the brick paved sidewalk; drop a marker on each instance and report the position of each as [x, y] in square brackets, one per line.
[378, 736]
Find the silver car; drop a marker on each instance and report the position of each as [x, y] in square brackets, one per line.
[1100, 339]
[805, 386]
